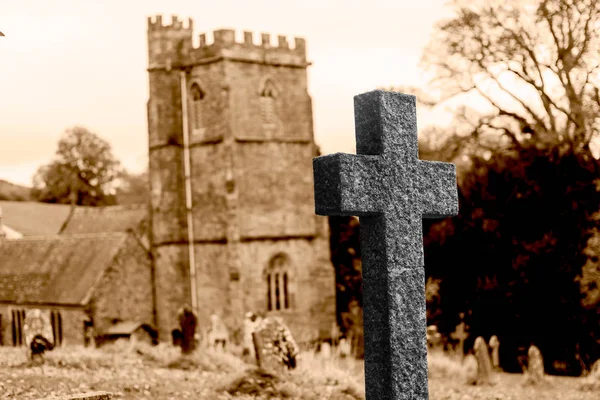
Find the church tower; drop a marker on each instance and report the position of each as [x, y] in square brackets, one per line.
[230, 148]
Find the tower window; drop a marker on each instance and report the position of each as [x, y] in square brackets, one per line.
[277, 276]
[197, 97]
[268, 98]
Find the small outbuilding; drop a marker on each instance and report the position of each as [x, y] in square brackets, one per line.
[133, 331]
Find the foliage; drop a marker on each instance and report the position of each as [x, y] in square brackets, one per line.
[529, 189]
[533, 64]
[589, 279]
[345, 256]
[83, 171]
[516, 266]
[12, 192]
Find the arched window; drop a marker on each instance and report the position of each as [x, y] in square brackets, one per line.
[278, 283]
[268, 103]
[196, 95]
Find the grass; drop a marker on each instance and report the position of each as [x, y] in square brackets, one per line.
[162, 373]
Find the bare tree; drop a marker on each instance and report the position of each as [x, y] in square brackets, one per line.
[534, 64]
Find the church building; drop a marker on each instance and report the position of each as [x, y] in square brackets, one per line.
[232, 200]
[231, 224]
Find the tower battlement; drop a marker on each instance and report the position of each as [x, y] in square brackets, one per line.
[172, 45]
[156, 24]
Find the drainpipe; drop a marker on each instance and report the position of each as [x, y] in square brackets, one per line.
[188, 190]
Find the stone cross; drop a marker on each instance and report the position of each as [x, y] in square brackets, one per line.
[391, 190]
[461, 335]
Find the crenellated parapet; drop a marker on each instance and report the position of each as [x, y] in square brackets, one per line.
[171, 45]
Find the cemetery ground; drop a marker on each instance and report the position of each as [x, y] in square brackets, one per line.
[161, 373]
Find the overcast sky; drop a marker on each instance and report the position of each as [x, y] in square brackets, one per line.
[74, 62]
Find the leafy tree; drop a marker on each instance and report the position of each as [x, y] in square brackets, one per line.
[345, 257]
[83, 171]
[514, 255]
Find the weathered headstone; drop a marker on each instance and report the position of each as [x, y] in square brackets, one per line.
[470, 369]
[38, 346]
[188, 323]
[460, 334]
[434, 338]
[495, 346]
[535, 365]
[37, 322]
[325, 351]
[344, 348]
[390, 190]
[354, 325]
[335, 335]
[251, 322]
[484, 364]
[275, 348]
[218, 334]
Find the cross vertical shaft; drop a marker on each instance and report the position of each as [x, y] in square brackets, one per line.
[391, 190]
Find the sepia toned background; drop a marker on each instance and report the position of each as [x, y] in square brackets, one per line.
[89, 62]
[93, 191]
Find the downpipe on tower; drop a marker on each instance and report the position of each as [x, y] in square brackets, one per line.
[188, 190]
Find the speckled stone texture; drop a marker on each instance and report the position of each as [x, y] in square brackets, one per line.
[391, 190]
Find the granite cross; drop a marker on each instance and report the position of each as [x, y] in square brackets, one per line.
[390, 190]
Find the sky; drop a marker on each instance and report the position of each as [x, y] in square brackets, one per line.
[71, 62]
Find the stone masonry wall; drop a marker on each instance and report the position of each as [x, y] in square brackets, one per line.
[275, 189]
[251, 137]
[125, 290]
[311, 285]
[72, 322]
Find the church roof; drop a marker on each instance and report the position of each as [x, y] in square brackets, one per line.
[57, 269]
[106, 219]
[34, 219]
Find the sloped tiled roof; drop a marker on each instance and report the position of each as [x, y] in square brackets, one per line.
[33, 218]
[57, 269]
[106, 219]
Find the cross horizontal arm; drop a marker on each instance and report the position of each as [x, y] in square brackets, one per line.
[437, 189]
[344, 184]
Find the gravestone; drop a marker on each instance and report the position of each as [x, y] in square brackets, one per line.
[354, 325]
[495, 346]
[275, 348]
[37, 322]
[470, 369]
[484, 364]
[434, 338]
[38, 346]
[335, 334]
[535, 365]
[460, 334]
[251, 322]
[218, 334]
[344, 348]
[188, 322]
[325, 351]
[390, 190]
